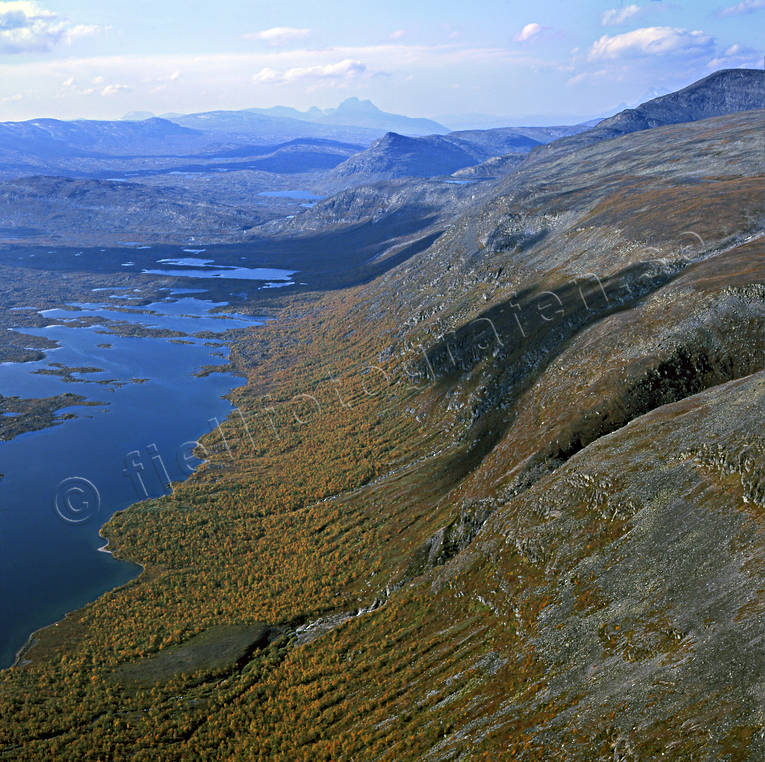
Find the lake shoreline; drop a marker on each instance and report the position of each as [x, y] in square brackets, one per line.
[20, 660]
[232, 380]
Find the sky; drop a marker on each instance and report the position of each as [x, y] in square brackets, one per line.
[438, 58]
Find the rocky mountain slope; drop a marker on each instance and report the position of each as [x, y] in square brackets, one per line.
[723, 92]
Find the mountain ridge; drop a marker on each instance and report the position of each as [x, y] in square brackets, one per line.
[396, 156]
[722, 92]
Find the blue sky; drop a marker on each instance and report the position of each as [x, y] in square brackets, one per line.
[80, 58]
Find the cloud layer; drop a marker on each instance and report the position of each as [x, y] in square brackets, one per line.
[745, 6]
[27, 28]
[340, 71]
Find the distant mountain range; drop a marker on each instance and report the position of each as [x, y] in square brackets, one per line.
[478, 121]
[230, 140]
[354, 119]
[87, 148]
[257, 128]
[46, 138]
[360, 113]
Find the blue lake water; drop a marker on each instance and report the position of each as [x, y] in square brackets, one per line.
[50, 561]
[299, 195]
[194, 267]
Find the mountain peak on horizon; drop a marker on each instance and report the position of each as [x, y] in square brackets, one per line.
[363, 112]
[356, 105]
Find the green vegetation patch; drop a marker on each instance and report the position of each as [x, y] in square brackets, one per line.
[218, 648]
[19, 415]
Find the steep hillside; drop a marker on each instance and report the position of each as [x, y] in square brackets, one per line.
[586, 376]
[724, 92]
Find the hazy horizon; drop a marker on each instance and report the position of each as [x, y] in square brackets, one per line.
[78, 59]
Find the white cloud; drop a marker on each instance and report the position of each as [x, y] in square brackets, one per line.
[114, 89]
[99, 85]
[529, 31]
[27, 28]
[735, 57]
[616, 16]
[279, 35]
[589, 76]
[342, 70]
[397, 35]
[745, 6]
[653, 40]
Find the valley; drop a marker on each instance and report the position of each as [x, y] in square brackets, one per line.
[473, 461]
